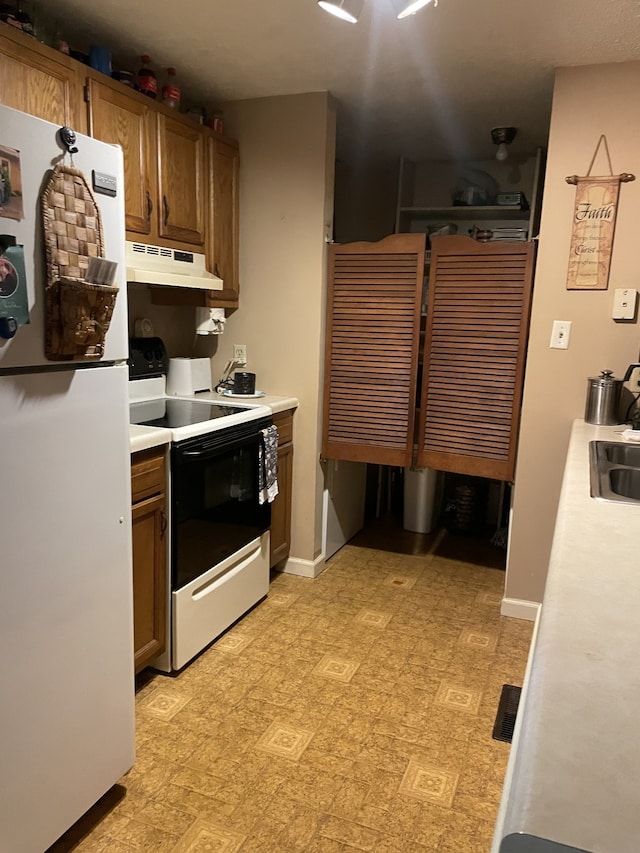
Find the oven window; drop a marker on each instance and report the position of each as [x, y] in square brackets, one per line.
[215, 508]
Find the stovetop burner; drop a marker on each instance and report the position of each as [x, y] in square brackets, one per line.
[173, 413]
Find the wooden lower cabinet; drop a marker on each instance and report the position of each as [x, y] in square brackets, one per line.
[281, 507]
[149, 523]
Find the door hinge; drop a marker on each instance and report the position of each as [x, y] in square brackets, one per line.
[87, 93]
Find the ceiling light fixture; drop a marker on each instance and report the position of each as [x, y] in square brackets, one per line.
[404, 8]
[347, 10]
[350, 10]
[503, 137]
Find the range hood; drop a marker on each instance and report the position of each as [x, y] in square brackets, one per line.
[168, 267]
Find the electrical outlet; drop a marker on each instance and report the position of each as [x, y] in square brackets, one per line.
[240, 353]
[560, 334]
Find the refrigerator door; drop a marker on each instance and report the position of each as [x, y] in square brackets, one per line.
[36, 141]
[66, 613]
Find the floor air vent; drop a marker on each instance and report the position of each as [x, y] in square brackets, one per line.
[507, 712]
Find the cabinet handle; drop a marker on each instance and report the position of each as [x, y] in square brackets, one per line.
[163, 521]
[149, 207]
[165, 204]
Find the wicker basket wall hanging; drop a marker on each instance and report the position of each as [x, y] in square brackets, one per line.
[78, 313]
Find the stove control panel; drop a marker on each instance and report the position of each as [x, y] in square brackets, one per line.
[147, 358]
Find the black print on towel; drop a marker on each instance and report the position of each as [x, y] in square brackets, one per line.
[268, 465]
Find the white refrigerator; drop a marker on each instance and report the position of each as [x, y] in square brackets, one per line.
[66, 620]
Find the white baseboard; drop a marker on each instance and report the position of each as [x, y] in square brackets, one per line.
[516, 608]
[303, 568]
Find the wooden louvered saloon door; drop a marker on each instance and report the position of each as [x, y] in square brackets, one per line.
[475, 347]
[373, 320]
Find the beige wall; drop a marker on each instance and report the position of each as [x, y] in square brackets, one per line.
[287, 149]
[588, 101]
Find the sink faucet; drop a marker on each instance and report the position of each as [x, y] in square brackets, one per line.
[633, 417]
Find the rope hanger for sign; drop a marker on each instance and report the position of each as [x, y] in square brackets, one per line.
[594, 222]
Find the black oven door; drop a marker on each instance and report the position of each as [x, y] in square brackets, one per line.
[215, 509]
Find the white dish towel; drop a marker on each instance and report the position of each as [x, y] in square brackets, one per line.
[268, 465]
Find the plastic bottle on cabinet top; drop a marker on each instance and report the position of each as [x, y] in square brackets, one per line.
[8, 13]
[25, 20]
[171, 91]
[147, 82]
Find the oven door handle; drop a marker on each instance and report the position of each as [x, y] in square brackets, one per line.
[212, 452]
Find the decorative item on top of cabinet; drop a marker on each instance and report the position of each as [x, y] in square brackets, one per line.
[281, 507]
[474, 356]
[149, 523]
[38, 80]
[371, 360]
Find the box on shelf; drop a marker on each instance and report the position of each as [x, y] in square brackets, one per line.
[511, 199]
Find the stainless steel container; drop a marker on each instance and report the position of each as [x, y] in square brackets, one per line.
[603, 399]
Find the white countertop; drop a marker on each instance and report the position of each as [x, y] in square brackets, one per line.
[144, 437]
[574, 774]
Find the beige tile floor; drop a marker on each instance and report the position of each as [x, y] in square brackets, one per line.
[349, 713]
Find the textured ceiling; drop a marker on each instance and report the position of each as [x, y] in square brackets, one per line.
[430, 86]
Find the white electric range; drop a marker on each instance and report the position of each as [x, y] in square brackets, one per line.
[186, 417]
[218, 529]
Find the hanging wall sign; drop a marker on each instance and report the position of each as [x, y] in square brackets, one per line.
[594, 222]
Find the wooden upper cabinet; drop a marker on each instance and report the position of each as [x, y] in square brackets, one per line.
[38, 81]
[373, 326]
[116, 117]
[474, 359]
[181, 180]
[164, 163]
[223, 165]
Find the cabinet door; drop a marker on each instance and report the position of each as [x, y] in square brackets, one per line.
[281, 507]
[117, 118]
[475, 347]
[222, 256]
[37, 83]
[149, 579]
[181, 185]
[373, 329]
[280, 537]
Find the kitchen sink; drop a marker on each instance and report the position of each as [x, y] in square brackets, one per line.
[625, 482]
[622, 454]
[614, 471]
